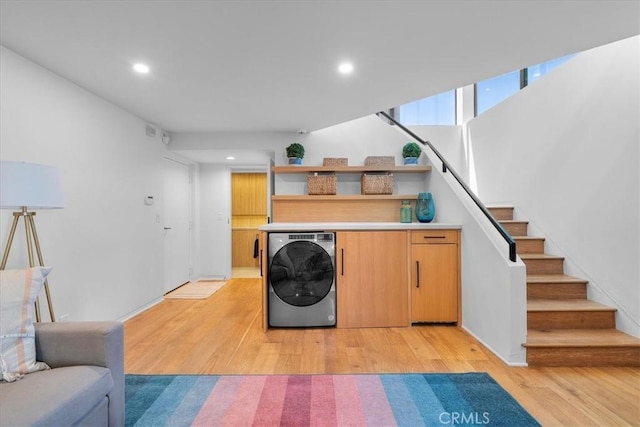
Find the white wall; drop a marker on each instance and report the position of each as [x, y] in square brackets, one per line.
[105, 246]
[447, 140]
[565, 152]
[494, 302]
[214, 232]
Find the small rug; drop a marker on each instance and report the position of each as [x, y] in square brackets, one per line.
[196, 290]
[321, 400]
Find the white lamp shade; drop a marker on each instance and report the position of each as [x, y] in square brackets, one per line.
[29, 185]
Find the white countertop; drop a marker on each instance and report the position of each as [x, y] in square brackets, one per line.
[336, 226]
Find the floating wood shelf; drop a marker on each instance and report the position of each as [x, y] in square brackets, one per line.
[341, 207]
[338, 208]
[350, 169]
[343, 197]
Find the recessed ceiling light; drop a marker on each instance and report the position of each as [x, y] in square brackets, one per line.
[345, 68]
[141, 68]
[230, 158]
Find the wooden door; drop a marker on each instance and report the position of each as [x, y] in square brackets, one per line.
[372, 278]
[434, 283]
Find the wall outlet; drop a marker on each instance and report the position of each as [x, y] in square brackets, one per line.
[63, 318]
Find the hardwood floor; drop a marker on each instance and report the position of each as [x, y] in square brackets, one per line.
[223, 335]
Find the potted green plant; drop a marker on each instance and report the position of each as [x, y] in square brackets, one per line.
[411, 151]
[295, 153]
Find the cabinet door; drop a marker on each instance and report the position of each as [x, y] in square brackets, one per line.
[249, 194]
[243, 248]
[434, 280]
[371, 289]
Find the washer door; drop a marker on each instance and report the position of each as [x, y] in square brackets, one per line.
[301, 273]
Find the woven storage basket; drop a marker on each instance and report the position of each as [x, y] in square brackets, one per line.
[322, 184]
[380, 161]
[377, 184]
[335, 161]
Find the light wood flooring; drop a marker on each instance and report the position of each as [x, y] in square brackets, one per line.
[245, 272]
[223, 335]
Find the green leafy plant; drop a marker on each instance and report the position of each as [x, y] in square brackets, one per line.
[411, 149]
[295, 150]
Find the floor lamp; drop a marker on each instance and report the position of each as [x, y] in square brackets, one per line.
[25, 187]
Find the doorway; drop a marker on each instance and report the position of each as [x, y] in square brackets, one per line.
[177, 254]
[248, 212]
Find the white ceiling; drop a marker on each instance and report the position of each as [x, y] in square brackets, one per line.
[271, 65]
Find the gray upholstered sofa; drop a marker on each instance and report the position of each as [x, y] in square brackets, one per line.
[85, 386]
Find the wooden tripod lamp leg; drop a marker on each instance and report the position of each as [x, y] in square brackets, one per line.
[7, 248]
[32, 237]
[27, 232]
[39, 253]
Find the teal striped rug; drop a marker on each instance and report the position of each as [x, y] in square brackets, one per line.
[469, 399]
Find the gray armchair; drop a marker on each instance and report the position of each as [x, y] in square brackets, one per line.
[85, 385]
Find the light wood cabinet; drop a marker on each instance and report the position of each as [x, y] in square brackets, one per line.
[249, 211]
[243, 248]
[435, 272]
[249, 194]
[372, 277]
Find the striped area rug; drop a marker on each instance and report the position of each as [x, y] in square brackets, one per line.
[321, 400]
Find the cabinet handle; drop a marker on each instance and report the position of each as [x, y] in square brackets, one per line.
[342, 262]
[260, 262]
[417, 274]
[435, 237]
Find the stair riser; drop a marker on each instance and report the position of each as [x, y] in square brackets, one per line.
[584, 356]
[502, 214]
[516, 229]
[530, 246]
[571, 320]
[557, 290]
[544, 266]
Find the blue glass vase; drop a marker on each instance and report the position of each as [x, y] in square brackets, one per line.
[425, 208]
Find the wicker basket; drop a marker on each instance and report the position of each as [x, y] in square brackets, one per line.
[335, 161]
[322, 184]
[377, 183]
[380, 161]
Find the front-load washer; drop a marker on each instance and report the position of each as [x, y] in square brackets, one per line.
[301, 276]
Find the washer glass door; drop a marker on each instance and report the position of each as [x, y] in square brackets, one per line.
[301, 273]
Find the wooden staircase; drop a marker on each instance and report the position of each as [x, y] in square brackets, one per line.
[564, 328]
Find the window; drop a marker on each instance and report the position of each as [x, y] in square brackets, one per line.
[441, 109]
[435, 110]
[495, 90]
[537, 71]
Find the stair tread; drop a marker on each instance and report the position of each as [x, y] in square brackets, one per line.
[540, 256]
[501, 212]
[528, 238]
[514, 221]
[543, 304]
[580, 338]
[553, 278]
